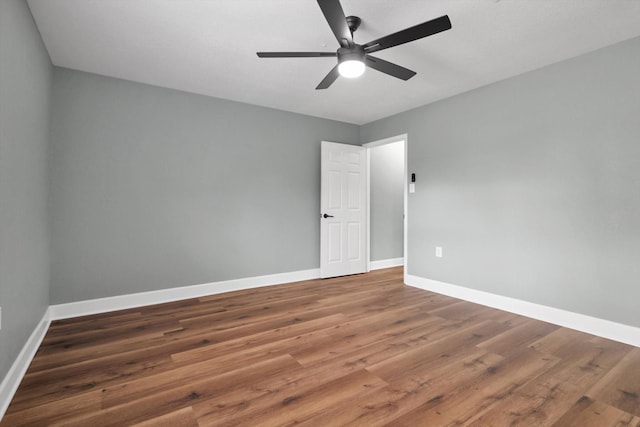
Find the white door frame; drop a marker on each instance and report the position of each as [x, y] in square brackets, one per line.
[369, 146]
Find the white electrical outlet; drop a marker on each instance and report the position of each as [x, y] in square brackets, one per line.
[439, 251]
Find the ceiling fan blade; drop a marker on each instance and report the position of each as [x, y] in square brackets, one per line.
[329, 78]
[334, 15]
[295, 54]
[388, 68]
[409, 34]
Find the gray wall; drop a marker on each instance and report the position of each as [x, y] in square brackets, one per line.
[25, 82]
[532, 185]
[155, 188]
[387, 201]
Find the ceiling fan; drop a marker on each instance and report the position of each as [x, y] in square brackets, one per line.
[353, 57]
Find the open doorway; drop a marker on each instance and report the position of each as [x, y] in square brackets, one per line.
[387, 188]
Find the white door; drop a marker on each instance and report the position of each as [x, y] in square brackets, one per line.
[343, 215]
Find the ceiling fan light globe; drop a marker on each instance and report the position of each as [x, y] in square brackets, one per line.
[351, 69]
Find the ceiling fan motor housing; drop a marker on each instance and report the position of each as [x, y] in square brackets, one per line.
[355, 53]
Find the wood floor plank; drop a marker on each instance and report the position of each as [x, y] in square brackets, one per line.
[589, 413]
[180, 418]
[498, 382]
[43, 361]
[545, 400]
[269, 391]
[278, 340]
[44, 387]
[129, 363]
[87, 323]
[343, 338]
[424, 384]
[54, 411]
[620, 388]
[583, 364]
[559, 341]
[517, 337]
[164, 400]
[102, 335]
[214, 365]
[263, 311]
[301, 405]
[435, 353]
[538, 403]
[355, 350]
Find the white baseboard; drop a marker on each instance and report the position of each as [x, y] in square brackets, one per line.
[580, 322]
[13, 378]
[386, 263]
[121, 302]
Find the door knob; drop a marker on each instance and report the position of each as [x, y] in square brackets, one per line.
[327, 216]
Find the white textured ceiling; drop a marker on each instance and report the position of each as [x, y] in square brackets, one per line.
[208, 46]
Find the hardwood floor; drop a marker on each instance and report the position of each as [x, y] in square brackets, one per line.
[358, 350]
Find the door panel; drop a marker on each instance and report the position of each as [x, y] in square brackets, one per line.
[353, 238]
[343, 242]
